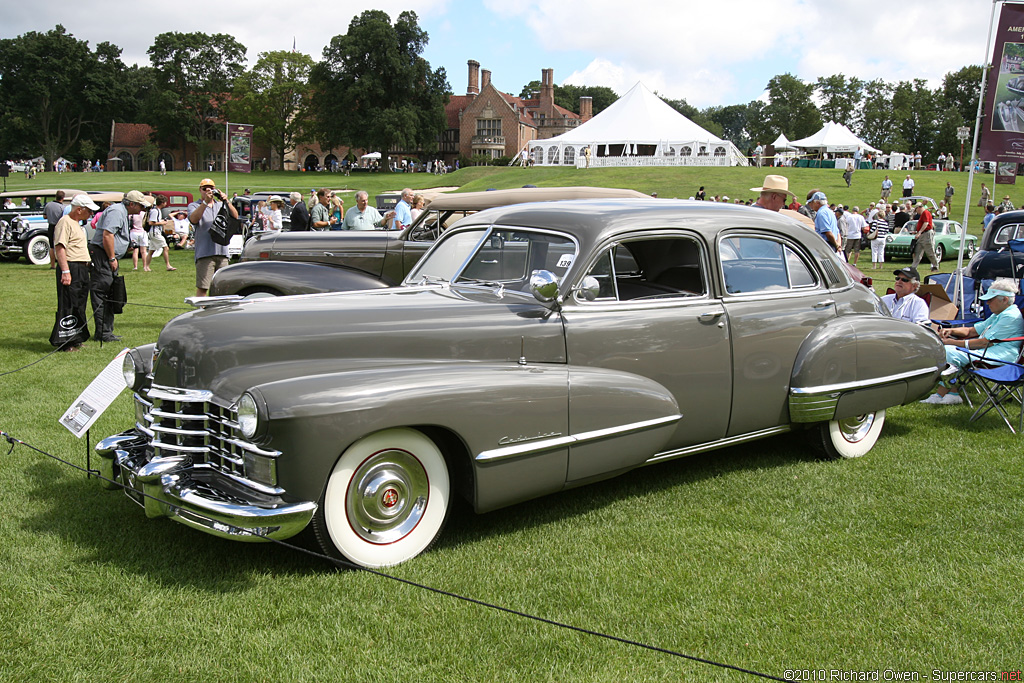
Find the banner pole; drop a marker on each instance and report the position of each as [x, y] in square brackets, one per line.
[958, 292]
[227, 126]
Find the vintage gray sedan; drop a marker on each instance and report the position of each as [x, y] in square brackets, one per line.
[534, 348]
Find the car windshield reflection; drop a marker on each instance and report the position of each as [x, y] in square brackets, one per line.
[495, 256]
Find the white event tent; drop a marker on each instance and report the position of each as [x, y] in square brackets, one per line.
[833, 138]
[638, 129]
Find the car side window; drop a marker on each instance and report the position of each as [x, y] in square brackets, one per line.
[1007, 233]
[761, 264]
[652, 268]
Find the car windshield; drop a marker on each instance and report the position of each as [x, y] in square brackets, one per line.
[494, 255]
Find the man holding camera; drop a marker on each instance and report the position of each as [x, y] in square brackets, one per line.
[210, 256]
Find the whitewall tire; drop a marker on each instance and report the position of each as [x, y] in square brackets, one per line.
[386, 500]
[852, 437]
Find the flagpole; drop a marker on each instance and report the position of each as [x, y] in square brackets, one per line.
[227, 125]
[958, 291]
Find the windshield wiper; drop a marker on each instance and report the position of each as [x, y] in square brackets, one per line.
[485, 283]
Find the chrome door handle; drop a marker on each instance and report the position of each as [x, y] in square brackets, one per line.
[709, 316]
[826, 302]
[490, 262]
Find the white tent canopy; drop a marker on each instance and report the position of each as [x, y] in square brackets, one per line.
[638, 129]
[781, 144]
[833, 137]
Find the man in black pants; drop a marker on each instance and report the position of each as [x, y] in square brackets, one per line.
[108, 244]
[300, 214]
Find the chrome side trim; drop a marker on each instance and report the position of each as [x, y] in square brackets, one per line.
[558, 442]
[714, 445]
[862, 384]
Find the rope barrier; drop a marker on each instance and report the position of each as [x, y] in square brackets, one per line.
[13, 441]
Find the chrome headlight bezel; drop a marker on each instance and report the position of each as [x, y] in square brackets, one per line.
[250, 415]
[130, 369]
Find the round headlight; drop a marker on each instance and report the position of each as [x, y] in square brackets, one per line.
[248, 416]
[128, 370]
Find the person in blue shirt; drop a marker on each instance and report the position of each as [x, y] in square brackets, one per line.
[825, 223]
[984, 339]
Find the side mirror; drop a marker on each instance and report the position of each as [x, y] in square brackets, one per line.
[590, 288]
[544, 286]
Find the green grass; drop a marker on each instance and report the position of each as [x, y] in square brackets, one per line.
[759, 556]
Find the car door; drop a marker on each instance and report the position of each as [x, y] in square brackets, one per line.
[653, 321]
[774, 296]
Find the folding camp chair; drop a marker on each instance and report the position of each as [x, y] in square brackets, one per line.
[1003, 385]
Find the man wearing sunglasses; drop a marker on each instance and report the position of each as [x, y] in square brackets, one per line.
[905, 304]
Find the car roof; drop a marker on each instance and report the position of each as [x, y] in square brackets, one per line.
[477, 201]
[594, 220]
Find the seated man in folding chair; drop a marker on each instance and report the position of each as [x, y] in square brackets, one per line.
[982, 339]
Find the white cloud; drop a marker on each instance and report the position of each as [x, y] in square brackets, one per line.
[705, 52]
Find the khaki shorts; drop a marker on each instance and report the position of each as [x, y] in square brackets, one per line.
[206, 267]
[157, 241]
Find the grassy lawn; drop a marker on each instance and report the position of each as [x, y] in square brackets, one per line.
[760, 556]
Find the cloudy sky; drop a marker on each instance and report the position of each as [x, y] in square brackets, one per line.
[709, 53]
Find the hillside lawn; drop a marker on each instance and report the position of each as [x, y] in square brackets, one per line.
[761, 556]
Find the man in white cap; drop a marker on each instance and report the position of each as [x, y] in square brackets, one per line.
[110, 243]
[71, 251]
[825, 223]
[774, 192]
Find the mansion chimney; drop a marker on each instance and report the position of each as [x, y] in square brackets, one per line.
[485, 78]
[474, 82]
[586, 109]
[547, 90]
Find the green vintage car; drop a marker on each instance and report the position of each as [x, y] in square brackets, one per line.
[947, 241]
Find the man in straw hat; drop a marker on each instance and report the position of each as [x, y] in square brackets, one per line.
[774, 192]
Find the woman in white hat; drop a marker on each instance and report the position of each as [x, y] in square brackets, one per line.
[276, 204]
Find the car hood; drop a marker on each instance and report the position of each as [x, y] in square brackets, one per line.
[229, 348]
[314, 243]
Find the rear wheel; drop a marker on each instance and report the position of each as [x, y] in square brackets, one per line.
[940, 252]
[259, 292]
[850, 437]
[37, 251]
[386, 500]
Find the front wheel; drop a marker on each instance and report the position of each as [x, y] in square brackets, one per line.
[851, 437]
[37, 251]
[386, 500]
[940, 253]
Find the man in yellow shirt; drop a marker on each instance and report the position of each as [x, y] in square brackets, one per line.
[71, 250]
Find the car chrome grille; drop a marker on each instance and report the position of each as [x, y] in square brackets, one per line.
[186, 422]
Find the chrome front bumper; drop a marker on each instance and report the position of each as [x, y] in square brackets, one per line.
[196, 496]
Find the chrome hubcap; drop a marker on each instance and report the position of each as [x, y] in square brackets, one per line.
[854, 429]
[387, 496]
[40, 249]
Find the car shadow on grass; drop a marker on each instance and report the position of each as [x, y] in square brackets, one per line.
[113, 530]
[785, 450]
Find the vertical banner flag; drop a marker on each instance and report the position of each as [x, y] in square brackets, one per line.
[240, 147]
[1002, 135]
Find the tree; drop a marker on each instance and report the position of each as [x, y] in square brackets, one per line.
[733, 121]
[841, 99]
[55, 91]
[568, 96]
[961, 89]
[790, 109]
[194, 76]
[694, 114]
[917, 114]
[273, 97]
[879, 125]
[373, 89]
